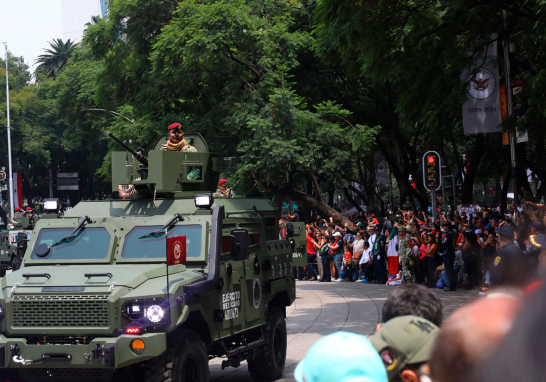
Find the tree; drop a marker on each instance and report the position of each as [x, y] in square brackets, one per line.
[95, 20]
[52, 63]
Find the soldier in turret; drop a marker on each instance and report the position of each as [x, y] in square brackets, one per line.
[223, 190]
[176, 141]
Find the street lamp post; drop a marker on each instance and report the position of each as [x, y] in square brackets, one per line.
[10, 172]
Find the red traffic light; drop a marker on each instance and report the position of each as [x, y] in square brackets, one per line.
[431, 159]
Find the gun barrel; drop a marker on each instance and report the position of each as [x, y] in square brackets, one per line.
[141, 158]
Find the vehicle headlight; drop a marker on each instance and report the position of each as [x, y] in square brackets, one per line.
[154, 313]
[146, 313]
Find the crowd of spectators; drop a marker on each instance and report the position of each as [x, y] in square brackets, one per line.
[495, 338]
[466, 247]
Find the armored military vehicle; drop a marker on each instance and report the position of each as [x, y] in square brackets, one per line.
[98, 297]
[13, 241]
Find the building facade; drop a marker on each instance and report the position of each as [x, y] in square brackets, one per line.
[77, 13]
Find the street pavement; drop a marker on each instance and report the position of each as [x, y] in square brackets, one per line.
[324, 308]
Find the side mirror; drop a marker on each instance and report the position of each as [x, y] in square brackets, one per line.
[239, 244]
[22, 243]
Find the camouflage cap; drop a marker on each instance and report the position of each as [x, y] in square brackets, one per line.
[402, 229]
[404, 341]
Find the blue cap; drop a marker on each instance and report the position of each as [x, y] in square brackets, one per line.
[506, 231]
[341, 357]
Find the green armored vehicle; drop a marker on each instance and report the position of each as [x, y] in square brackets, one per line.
[104, 295]
[13, 241]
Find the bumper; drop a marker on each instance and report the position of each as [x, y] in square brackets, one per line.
[115, 352]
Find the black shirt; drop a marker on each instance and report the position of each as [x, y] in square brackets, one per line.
[510, 267]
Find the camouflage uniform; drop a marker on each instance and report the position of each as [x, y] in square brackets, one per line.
[405, 254]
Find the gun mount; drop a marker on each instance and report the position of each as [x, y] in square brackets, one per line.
[141, 158]
[169, 173]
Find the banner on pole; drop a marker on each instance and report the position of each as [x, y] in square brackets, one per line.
[176, 250]
[482, 111]
[17, 191]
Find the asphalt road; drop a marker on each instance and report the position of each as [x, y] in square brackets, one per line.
[324, 308]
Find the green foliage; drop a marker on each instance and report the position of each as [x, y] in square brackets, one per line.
[52, 63]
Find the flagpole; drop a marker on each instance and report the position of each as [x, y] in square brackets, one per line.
[10, 172]
[167, 265]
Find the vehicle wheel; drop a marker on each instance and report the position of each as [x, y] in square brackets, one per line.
[15, 263]
[2, 274]
[185, 360]
[269, 365]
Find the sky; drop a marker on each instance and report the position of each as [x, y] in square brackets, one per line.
[28, 25]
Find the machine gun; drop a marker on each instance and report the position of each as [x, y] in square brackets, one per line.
[141, 158]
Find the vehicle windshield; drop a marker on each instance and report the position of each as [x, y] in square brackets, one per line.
[87, 244]
[155, 247]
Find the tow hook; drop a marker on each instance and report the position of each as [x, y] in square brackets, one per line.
[14, 349]
[97, 353]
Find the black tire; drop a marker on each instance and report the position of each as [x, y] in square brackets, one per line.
[185, 360]
[15, 263]
[269, 364]
[2, 274]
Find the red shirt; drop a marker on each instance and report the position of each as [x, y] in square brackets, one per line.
[310, 245]
[375, 221]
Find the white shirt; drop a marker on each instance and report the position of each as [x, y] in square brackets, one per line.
[366, 256]
[358, 245]
[371, 240]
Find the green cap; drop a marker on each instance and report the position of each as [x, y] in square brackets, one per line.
[402, 229]
[360, 224]
[404, 341]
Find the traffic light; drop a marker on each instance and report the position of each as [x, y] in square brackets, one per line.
[432, 171]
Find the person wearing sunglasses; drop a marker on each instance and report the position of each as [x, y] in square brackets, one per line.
[405, 345]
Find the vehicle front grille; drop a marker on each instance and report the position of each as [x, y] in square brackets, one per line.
[77, 311]
[65, 375]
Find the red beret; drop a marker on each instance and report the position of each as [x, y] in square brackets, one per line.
[222, 181]
[17, 209]
[176, 126]
[29, 209]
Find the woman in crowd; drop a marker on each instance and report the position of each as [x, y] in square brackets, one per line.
[432, 258]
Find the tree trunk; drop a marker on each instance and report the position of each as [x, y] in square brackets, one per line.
[470, 178]
[505, 188]
[316, 204]
[351, 200]
[498, 194]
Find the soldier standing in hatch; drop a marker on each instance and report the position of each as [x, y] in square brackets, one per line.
[176, 141]
[223, 190]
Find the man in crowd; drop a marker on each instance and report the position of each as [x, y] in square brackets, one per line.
[312, 246]
[405, 344]
[469, 336]
[379, 256]
[341, 357]
[413, 300]
[510, 267]
[447, 250]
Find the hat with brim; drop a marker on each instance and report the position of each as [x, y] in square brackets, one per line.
[341, 356]
[337, 234]
[377, 228]
[403, 341]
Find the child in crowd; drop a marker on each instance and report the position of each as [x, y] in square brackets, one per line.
[396, 280]
[347, 266]
[366, 264]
